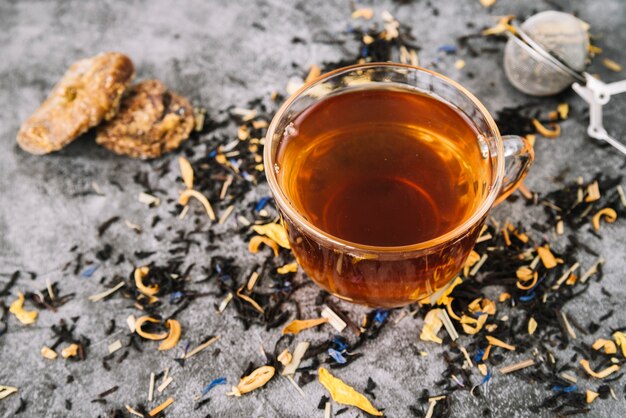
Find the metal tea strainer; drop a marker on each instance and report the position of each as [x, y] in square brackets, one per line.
[548, 53]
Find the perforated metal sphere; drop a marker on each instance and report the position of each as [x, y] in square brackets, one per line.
[564, 36]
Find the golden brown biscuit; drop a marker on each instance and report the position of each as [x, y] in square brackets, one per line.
[152, 120]
[89, 92]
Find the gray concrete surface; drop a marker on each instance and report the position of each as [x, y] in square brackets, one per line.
[211, 52]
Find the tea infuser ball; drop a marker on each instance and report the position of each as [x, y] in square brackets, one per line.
[561, 35]
[548, 53]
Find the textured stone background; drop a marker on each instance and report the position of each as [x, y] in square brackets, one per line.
[211, 52]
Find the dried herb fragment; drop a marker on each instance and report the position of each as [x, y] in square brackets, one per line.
[257, 240]
[186, 172]
[184, 200]
[48, 353]
[69, 351]
[6, 391]
[295, 326]
[139, 274]
[344, 394]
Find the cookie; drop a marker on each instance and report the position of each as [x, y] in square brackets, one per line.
[152, 120]
[88, 93]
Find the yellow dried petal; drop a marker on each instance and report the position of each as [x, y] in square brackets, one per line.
[69, 351]
[487, 3]
[504, 296]
[48, 353]
[593, 192]
[563, 110]
[363, 13]
[444, 299]
[287, 268]
[254, 380]
[344, 394]
[473, 325]
[620, 340]
[251, 301]
[524, 273]
[140, 273]
[274, 231]
[608, 214]
[298, 325]
[184, 199]
[612, 65]
[472, 259]
[186, 172]
[607, 346]
[601, 374]
[257, 240]
[547, 258]
[17, 309]
[555, 132]
[148, 336]
[173, 336]
[591, 396]
[532, 325]
[432, 325]
[499, 343]
[161, 407]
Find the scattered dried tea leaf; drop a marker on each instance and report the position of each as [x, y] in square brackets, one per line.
[590, 396]
[275, 232]
[601, 374]
[69, 351]
[173, 336]
[547, 258]
[532, 325]
[254, 380]
[499, 343]
[298, 325]
[48, 353]
[555, 132]
[17, 309]
[608, 214]
[148, 336]
[344, 394]
[257, 240]
[620, 340]
[186, 172]
[285, 357]
[161, 407]
[140, 273]
[432, 325]
[287, 268]
[607, 346]
[612, 65]
[184, 199]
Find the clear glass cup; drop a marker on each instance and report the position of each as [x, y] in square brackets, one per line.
[361, 273]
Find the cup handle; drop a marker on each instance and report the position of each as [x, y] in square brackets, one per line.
[518, 157]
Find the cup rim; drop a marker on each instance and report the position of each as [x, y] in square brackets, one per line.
[284, 205]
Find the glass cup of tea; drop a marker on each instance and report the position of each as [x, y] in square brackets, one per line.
[383, 175]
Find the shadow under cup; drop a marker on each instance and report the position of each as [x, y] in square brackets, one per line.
[392, 276]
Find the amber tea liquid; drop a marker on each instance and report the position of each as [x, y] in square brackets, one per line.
[382, 167]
